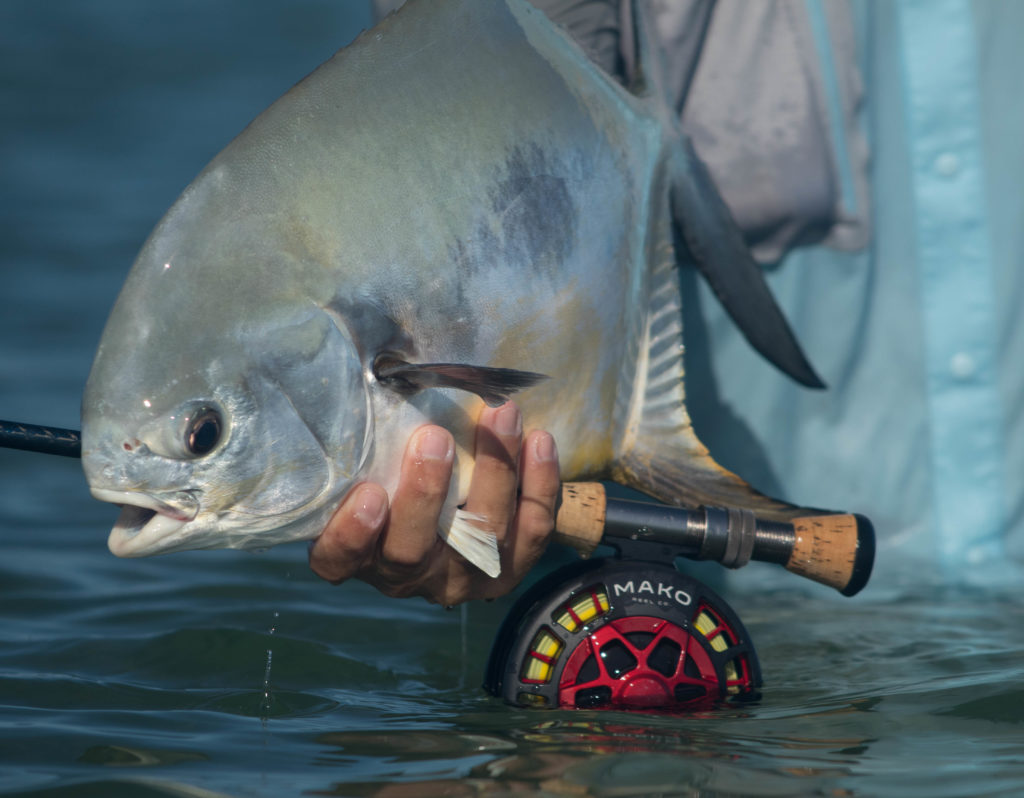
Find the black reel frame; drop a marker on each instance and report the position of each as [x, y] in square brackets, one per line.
[626, 632]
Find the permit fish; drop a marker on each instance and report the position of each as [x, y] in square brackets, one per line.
[457, 207]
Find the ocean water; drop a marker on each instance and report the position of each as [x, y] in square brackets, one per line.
[225, 673]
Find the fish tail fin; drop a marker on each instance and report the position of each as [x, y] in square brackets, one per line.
[473, 542]
[657, 449]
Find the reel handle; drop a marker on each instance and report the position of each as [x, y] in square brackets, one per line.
[835, 550]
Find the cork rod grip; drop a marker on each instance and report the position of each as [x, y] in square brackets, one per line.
[836, 550]
[579, 517]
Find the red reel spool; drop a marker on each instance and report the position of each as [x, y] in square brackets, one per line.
[622, 634]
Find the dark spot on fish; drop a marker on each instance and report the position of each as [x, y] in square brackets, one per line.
[530, 217]
[535, 209]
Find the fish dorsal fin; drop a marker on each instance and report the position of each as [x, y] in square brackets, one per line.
[665, 69]
[648, 72]
[494, 385]
[659, 452]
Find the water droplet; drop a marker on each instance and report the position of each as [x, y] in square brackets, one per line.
[267, 697]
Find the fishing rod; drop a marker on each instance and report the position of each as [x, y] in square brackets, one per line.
[835, 550]
[45, 440]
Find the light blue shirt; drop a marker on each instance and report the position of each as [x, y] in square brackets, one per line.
[920, 335]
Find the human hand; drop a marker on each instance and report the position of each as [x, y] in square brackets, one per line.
[396, 548]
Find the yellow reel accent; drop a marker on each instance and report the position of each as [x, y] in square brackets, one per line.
[541, 658]
[582, 608]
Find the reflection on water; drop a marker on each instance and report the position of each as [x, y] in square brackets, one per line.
[156, 678]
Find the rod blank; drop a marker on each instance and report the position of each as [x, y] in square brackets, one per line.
[45, 440]
[836, 550]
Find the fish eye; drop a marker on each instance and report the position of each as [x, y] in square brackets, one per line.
[203, 432]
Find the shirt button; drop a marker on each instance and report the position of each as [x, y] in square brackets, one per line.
[961, 366]
[976, 555]
[947, 164]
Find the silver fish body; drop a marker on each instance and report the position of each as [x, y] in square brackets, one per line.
[459, 185]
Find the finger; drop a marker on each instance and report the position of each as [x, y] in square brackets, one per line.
[540, 486]
[492, 489]
[350, 538]
[534, 520]
[417, 502]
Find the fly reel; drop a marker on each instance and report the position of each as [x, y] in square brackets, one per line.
[633, 632]
[622, 634]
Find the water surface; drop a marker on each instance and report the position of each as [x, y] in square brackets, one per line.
[150, 677]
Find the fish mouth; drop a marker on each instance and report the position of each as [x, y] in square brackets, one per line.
[147, 525]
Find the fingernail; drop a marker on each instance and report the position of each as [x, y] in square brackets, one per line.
[508, 420]
[433, 444]
[544, 449]
[371, 507]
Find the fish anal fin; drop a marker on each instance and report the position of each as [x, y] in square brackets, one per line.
[494, 385]
[698, 481]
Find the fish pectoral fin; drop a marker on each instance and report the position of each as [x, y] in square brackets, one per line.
[493, 385]
[473, 542]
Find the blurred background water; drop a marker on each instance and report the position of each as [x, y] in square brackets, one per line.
[236, 674]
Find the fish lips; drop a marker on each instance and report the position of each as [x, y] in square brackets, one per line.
[148, 525]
